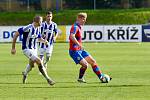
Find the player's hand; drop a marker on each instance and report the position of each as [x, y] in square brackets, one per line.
[13, 51]
[81, 47]
[43, 36]
[54, 39]
[46, 42]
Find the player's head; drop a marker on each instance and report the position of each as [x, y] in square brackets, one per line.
[37, 20]
[81, 18]
[49, 16]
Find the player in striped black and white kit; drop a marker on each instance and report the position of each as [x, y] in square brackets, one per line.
[49, 33]
[31, 34]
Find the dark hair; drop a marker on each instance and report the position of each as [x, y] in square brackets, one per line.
[49, 12]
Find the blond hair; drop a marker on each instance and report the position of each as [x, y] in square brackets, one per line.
[82, 14]
[37, 19]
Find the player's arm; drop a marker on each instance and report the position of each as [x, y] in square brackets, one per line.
[56, 32]
[40, 39]
[43, 41]
[73, 38]
[13, 50]
[27, 28]
[42, 31]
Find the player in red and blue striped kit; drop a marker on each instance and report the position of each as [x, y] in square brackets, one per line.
[77, 52]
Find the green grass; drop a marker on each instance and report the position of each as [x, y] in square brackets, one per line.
[127, 63]
[67, 17]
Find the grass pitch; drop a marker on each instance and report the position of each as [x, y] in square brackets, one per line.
[127, 63]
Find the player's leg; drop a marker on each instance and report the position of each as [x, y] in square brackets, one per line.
[49, 51]
[94, 66]
[82, 70]
[48, 57]
[41, 54]
[43, 71]
[92, 62]
[32, 55]
[41, 67]
[27, 70]
[28, 53]
[29, 67]
[42, 60]
[78, 59]
[41, 57]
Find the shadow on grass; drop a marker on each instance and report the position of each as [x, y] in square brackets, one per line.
[10, 74]
[34, 83]
[71, 85]
[89, 86]
[8, 83]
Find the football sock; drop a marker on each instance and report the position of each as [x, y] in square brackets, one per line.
[27, 69]
[42, 57]
[97, 71]
[43, 71]
[47, 59]
[82, 71]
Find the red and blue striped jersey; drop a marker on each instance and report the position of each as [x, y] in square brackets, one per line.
[75, 29]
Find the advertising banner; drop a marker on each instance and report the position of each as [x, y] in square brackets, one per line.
[146, 33]
[91, 33]
[110, 33]
[61, 34]
[122, 33]
[7, 33]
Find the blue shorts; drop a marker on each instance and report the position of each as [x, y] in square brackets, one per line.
[77, 56]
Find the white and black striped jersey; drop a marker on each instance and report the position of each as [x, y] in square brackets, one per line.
[48, 31]
[30, 35]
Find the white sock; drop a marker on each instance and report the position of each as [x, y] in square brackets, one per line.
[27, 69]
[47, 59]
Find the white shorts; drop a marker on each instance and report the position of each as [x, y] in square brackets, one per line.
[48, 50]
[31, 54]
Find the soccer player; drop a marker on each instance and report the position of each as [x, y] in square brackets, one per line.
[77, 52]
[31, 34]
[49, 33]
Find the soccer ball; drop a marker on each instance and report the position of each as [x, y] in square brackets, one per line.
[106, 78]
